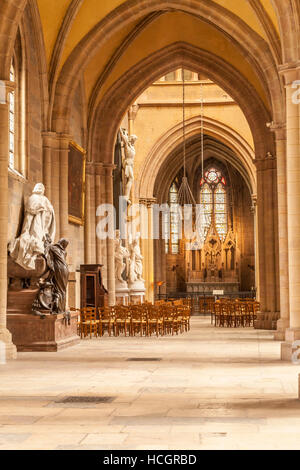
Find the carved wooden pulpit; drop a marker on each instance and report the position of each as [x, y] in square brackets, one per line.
[93, 292]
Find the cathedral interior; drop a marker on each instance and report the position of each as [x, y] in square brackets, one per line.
[150, 167]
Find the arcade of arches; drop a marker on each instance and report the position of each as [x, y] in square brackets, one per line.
[81, 72]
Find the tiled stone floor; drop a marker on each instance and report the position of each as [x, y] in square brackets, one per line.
[213, 389]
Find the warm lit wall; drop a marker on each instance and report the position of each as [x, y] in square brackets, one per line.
[20, 187]
[156, 112]
[160, 109]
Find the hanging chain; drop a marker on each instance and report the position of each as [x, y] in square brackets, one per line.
[183, 122]
[202, 130]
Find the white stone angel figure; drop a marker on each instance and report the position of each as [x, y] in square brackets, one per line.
[128, 161]
[39, 223]
[120, 254]
[135, 262]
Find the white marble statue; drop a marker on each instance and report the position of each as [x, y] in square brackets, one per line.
[128, 161]
[136, 262]
[38, 226]
[120, 254]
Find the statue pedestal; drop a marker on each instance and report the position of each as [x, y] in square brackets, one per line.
[32, 333]
[137, 292]
[122, 294]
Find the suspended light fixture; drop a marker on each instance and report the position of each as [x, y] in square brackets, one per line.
[185, 195]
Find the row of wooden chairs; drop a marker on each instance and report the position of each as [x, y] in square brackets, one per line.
[132, 320]
[235, 313]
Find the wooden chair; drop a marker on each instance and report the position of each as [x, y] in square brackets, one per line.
[155, 321]
[107, 321]
[138, 321]
[89, 324]
[122, 320]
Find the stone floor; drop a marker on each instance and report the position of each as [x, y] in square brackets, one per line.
[212, 389]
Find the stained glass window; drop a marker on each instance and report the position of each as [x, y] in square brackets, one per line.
[206, 201]
[174, 222]
[213, 199]
[221, 211]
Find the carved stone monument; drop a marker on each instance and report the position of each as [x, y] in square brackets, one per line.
[121, 253]
[38, 278]
[128, 161]
[136, 283]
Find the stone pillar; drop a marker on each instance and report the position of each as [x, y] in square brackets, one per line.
[63, 216]
[64, 141]
[291, 72]
[88, 226]
[49, 146]
[148, 250]
[110, 249]
[256, 251]
[99, 184]
[267, 241]
[55, 182]
[5, 336]
[283, 322]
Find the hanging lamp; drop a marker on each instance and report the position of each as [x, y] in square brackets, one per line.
[185, 195]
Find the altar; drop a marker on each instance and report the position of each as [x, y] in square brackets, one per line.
[214, 267]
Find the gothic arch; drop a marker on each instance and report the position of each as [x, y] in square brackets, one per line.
[10, 17]
[117, 100]
[252, 46]
[288, 15]
[147, 178]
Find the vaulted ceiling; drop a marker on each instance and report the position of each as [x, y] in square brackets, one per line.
[69, 24]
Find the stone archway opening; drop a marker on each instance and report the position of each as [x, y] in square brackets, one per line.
[247, 160]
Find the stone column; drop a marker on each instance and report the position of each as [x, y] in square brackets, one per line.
[291, 72]
[267, 240]
[64, 141]
[5, 336]
[148, 250]
[256, 252]
[98, 201]
[110, 249]
[49, 146]
[55, 182]
[89, 226]
[283, 322]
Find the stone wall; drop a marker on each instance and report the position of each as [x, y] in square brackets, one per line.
[20, 187]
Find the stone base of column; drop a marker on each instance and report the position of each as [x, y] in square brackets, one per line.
[282, 325]
[7, 349]
[122, 295]
[266, 321]
[289, 346]
[137, 293]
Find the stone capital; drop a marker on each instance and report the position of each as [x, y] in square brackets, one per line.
[290, 71]
[99, 170]
[278, 128]
[90, 168]
[49, 139]
[108, 169]
[269, 162]
[148, 201]
[64, 140]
